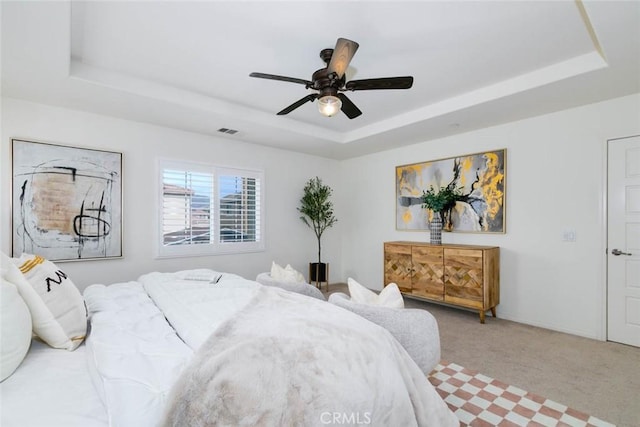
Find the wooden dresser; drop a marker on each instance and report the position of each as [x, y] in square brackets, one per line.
[459, 275]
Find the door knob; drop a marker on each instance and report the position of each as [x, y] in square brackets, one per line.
[617, 252]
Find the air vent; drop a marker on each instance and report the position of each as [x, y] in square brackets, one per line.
[229, 131]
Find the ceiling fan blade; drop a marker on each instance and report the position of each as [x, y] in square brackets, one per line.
[281, 78]
[382, 83]
[348, 107]
[309, 98]
[342, 55]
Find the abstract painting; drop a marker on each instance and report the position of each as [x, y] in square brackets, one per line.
[481, 180]
[66, 201]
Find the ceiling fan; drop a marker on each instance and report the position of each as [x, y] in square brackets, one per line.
[330, 82]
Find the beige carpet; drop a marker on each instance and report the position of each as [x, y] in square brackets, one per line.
[598, 378]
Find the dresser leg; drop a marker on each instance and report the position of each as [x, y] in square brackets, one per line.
[481, 316]
[493, 311]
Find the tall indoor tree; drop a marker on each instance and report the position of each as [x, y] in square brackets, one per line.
[317, 212]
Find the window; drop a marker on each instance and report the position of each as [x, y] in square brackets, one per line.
[206, 209]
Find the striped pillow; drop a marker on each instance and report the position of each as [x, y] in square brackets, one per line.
[56, 305]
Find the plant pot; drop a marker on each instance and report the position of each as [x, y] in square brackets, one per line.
[318, 273]
[435, 229]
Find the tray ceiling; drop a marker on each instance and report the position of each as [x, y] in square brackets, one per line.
[187, 64]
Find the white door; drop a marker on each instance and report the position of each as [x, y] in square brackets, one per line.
[623, 241]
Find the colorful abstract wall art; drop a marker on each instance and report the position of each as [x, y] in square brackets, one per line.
[481, 178]
[66, 201]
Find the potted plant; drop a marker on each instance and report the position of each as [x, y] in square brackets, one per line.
[317, 213]
[440, 201]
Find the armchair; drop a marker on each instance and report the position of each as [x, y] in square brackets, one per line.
[416, 329]
[298, 287]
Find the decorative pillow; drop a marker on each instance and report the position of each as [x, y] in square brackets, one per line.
[15, 329]
[57, 309]
[389, 297]
[286, 275]
[276, 271]
[299, 277]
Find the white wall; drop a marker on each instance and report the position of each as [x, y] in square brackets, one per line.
[288, 239]
[556, 167]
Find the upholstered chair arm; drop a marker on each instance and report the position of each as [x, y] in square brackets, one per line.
[300, 288]
[416, 329]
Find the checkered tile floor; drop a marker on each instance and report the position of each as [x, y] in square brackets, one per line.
[478, 400]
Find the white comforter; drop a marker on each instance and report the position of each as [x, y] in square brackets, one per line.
[349, 368]
[134, 355]
[195, 302]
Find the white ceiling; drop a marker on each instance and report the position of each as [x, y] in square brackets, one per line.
[187, 64]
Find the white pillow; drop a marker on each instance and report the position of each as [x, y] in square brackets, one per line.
[389, 297]
[286, 275]
[276, 271]
[298, 276]
[57, 308]
[15, 329]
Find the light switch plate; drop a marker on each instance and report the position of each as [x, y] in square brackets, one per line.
[568, 235]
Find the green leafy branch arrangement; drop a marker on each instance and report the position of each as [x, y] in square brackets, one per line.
[443, 199]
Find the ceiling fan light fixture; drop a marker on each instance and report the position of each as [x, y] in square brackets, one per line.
[329, 105]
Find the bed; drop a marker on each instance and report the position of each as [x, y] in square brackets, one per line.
[51, 388]
[200, 347]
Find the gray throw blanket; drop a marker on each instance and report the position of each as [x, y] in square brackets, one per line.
[290, 360]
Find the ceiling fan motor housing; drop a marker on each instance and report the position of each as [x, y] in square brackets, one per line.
[323, 80]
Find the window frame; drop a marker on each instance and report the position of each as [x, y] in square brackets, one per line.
[216, 247]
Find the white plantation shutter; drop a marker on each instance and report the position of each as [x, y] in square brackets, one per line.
[187, 214]
[239, 204]
[207, 209]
